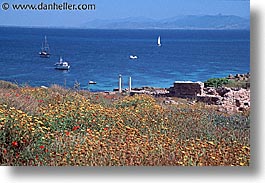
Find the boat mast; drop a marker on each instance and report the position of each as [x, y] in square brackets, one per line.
[46, 46]
[42, 47]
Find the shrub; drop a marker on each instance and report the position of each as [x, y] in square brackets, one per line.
[238, 84]
[8, 85]
[216, 82]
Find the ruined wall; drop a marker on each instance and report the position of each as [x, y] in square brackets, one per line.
[228, 99]
[186, 89]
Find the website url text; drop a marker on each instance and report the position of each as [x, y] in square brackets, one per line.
[51, 6]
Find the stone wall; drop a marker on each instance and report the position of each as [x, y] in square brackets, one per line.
[209, 99]
[186, 89]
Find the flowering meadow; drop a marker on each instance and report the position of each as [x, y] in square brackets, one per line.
[63, 127]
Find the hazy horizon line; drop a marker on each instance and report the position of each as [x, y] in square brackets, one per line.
[85, 28]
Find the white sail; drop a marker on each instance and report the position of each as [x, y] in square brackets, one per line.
[159, 41]
[45, 50]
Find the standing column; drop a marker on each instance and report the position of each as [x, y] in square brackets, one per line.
[130, 84]
[120, 89]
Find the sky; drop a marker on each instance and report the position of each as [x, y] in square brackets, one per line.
[116, 9]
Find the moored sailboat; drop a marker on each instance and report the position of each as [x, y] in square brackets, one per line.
[45, 50]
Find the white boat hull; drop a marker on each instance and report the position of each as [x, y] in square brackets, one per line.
[92, 82]
[44, 54]
[62, 67]
[133, 57]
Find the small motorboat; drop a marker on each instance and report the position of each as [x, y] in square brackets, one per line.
[62, 65]
[133, 57]
[92, 82]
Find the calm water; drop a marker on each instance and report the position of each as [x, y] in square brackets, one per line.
[101, 55]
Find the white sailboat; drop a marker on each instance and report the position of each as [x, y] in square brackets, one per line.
[45, 50]
[159, 41]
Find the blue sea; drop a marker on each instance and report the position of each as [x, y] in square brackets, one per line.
[101, 55]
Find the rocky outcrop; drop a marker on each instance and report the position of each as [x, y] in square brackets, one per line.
[239, 77]
[228, 99]
[242, 80]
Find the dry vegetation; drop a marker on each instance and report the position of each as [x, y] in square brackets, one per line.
[59, 127]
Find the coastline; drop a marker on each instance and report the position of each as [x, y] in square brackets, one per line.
[229, 98]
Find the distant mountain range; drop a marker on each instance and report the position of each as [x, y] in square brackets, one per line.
[179, 22]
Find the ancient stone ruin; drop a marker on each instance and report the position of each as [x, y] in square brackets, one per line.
[186, 89]
[228, 99]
